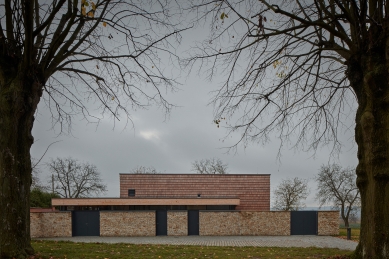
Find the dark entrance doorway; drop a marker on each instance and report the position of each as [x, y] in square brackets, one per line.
[86, 223]
[303, 222]
[161, 222]
[193, 222]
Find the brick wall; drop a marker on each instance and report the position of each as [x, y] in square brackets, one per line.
[253, 190]
[177, 223]
[51, 224]
[131, 223]
[244, 223]
[328, 223]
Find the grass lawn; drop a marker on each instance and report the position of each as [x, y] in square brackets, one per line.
[355, 232]
[55, 250]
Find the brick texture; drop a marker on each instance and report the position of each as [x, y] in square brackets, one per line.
[253, 190]
[328, 223]
[177, 223]
[131, 223]
[51, 224]
[248, 223]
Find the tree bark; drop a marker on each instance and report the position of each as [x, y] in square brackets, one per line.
[368, 75]
[19, 96]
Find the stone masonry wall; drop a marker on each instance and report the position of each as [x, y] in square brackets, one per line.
[135, 223]
[328, 223]
[177, 223]
[223, 223]
[265, 223]
[248, 223]
[212, 223]
[51, 224]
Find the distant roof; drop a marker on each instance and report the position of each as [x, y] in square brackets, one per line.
[201, 174]
[34, 209]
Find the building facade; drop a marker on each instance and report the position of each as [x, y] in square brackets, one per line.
[248, 192]
[181, 204]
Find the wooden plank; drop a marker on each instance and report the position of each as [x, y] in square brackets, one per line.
[134, 201]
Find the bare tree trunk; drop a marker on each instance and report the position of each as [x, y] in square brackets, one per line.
[17, 109]
[344, 217]
[368, 76]
[346, 223]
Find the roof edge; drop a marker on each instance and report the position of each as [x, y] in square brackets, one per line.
[202, 174]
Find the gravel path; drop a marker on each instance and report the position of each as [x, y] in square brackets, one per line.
[266, 241]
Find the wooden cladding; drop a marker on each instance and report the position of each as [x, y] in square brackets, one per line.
[253, 191]
[145, 201]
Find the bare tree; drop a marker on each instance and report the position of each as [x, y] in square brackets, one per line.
[337, 186]
[69, 53]
[290, 193]
[73, 179]
[210, 166]
[36, 182]
[299, 68]
[144, 170]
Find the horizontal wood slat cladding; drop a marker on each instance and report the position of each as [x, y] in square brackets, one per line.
[252, 190]
[141, 201]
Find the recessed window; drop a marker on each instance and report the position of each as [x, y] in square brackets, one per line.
[131, 192]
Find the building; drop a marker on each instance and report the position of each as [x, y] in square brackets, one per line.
[201, 191]
[179, 205]
[244, 192]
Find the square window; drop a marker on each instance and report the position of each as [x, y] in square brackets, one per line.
[131, 192]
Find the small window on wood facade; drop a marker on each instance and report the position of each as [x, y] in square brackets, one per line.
[131, 192]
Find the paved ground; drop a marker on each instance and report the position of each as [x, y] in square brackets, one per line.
[268, 241]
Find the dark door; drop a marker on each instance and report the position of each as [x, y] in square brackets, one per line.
[193, 222]
[303, 223]
[86, 223]
[161, 222]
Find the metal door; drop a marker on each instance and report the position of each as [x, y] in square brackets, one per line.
[193, 222]
[161, 222]
[86, 223]
[303, 222]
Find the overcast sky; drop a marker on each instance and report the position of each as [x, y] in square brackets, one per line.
[171, 144]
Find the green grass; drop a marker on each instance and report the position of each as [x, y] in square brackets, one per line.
[353, 225]
[355, 232]
[56, 250]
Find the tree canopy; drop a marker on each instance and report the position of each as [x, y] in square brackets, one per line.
[41, 199]
[337, 187]
[300, 68]
[70, 53]
[73, 179]
[290, 194]
[210, 166]
[144, 170]
[284, 64]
